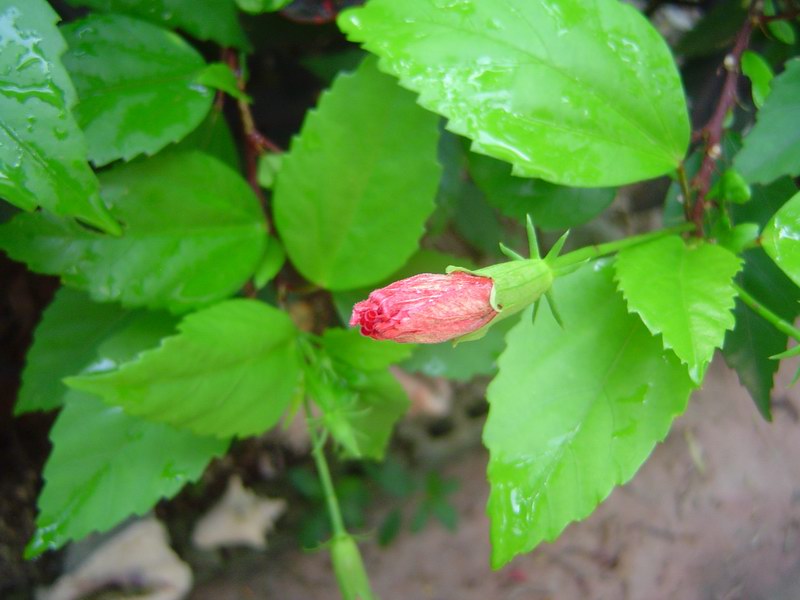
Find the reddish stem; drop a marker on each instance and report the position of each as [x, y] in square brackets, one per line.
[712, 132]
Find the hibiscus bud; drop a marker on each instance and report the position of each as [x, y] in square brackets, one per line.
[426, 308]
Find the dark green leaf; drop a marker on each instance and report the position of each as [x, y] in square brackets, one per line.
[551, 206]
[574, 411]
[107, 465]
[68, 339]
[137, 86]
[685, 293]
[336, 233]
[231, 370]
[753, 341]
[781, 238]
[213, 137]
[556, 89]
[42, 150]
[260, 6]
[716, 31]
[213, 20]
[390, 527]
[193, 233]
[772, 148]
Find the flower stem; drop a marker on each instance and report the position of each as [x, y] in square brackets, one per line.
[318, 452]
[592, 252]
[764, 312]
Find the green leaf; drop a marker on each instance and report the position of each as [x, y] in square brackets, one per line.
[551, 206]
[68, 338]
[574, 411]
[107, 465]
[757, 69]
[336, 233]
[220, 77]
[42, 150]
[261, 6]
[269, 165]
[213, 137]
[271, 263]
[685, 293]
[716, 30]
[556, 89]
[781, 238]
[730, 187]
[138, 86]
[213, 20]
[772, 148]
[463, 361]
[750, 345]
[231, 370]
[366, 354]
[193, 233]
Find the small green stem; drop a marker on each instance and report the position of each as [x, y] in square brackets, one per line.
[592, 252]
[318, 452]
[776, 321]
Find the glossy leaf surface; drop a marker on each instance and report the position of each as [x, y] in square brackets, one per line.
[576, 93]
[781, 238]
[42, 150]
[139, 109]
[187, 213]
[68, 338]
[772, 148]
[336, 233]
[213, 20]
[107, 465]
[684, 293]
[231, 370]
[574, 411]
[551, 206]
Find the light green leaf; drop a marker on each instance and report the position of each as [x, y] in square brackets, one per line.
[772, 148]
[271, 263]
[576, 93]
[193, 233]
[574, 411]
[107, 465]
[685, 293]
[551, 206]
[214, 20]
[42, 150]
[138, 86]
[760, 74]
[68, 338]
[385, 181]
[781, 238]
[261, 6]
[231, 370]
[730, 187]
[268, 167]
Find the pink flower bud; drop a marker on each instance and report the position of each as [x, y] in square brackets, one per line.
[426, 308]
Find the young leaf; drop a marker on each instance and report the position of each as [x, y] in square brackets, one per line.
[772, 148]
[139, 109]
[107, 465]
[42, 150]
[555, 89]
[760, 74]
[336, 232]
[231, 370]
[750, 345]
[67, 341]
[187, 214]
[684, 293]
[213, 20]
[551, 206]
[781, 238]
[574, 411]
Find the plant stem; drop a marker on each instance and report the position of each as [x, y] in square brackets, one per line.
[764, 312]
[318, 452]
[686, 191]
[592, 252]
